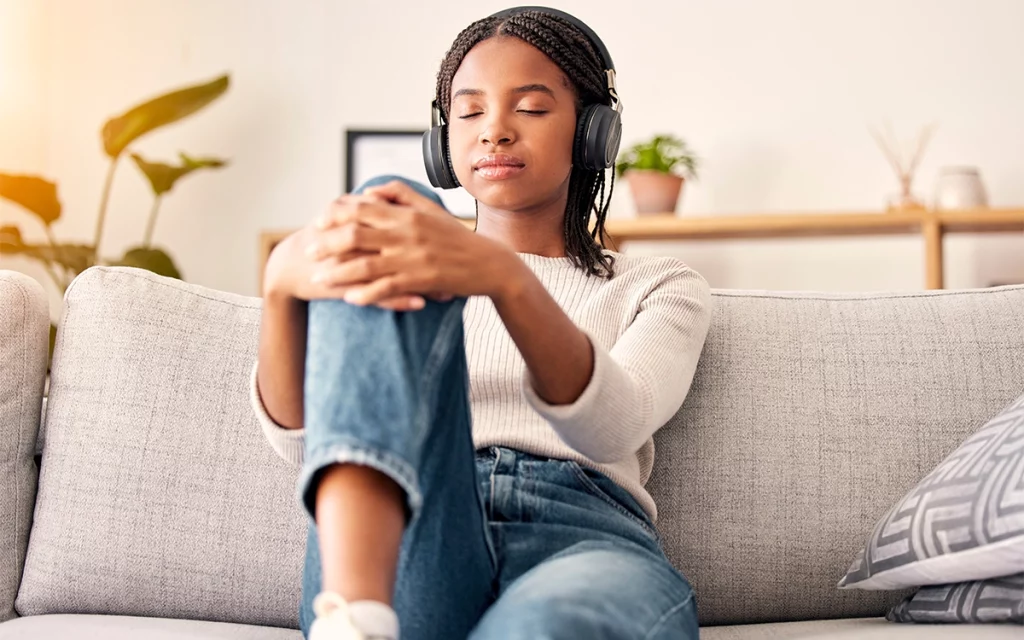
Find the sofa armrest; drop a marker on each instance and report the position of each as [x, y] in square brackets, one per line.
[24, 343]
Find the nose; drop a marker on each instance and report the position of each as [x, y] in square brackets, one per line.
[497, 132]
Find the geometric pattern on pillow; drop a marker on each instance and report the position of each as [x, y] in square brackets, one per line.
[964, 521]
[995, 600]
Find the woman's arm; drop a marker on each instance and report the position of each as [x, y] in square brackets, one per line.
[540, 328]
[605, 403]
[282, 356]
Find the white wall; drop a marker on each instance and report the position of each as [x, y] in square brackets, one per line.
[23, 116]
[776, 96]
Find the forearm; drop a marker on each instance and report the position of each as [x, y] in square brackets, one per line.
[282, 355]
[558, 356]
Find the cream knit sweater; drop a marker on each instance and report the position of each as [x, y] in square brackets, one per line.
[647, 326]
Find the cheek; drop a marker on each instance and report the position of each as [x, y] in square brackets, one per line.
[557, 151]
[460, 146]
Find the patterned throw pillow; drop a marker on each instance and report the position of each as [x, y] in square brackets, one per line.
[996, 600]
[963, 522]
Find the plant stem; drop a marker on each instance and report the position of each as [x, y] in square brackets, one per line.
[147, 241]
[63, 283]
[53, 276]
[104, 199]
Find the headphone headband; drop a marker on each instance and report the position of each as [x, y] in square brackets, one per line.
[595, 40]
[602, 51]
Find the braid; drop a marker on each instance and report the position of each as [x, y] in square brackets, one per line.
[574, 54]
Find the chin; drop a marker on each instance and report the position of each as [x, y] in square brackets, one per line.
[506, 195]
[503, 198]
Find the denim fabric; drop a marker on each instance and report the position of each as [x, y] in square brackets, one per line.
[500, 543]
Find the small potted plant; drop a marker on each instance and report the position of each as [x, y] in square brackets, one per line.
[656, 170]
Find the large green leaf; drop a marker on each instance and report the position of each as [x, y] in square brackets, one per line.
[154, 260]
[121, 131]
[162, 176]
[35, 194]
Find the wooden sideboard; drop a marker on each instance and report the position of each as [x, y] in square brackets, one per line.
[931, 226]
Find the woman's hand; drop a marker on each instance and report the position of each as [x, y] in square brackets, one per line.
[290, 268]
[392, 243]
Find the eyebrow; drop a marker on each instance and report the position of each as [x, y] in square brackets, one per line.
[526, 88]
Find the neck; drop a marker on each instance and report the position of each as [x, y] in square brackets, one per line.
[537, 230]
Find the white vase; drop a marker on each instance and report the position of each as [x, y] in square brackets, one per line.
[959, 188]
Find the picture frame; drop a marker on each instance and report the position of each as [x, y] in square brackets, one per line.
[373, 152]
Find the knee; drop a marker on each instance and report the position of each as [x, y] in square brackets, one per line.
[386, 178]
[549, 619]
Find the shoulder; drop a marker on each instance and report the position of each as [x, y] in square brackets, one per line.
[651, 273]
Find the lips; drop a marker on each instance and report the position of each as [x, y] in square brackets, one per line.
[498, 166]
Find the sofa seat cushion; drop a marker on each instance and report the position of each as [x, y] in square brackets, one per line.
[859, 629]
[90, 627]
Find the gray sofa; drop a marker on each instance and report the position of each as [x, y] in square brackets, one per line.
[162, 513]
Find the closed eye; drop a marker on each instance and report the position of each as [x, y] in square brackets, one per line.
[533, 113]
[470, 115]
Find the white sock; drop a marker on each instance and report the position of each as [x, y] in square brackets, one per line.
[374, 619]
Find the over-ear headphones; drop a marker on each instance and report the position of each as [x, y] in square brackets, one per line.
[598, 128]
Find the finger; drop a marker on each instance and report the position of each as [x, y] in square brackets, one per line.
[330, 260]
[358, 270]
[367, 209]
[394, 303]
[440, 297]
[349, 239]
[403, 303]
[340, 204]
[381, 289]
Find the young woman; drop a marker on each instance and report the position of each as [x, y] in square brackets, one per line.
[474, 410]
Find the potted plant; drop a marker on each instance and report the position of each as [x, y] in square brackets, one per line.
[37, 196]
[656, 171]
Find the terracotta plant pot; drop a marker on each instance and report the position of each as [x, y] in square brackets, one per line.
[654, 192]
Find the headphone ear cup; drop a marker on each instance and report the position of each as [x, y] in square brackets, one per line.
[598, 135]
[437, 159]
[449, 168]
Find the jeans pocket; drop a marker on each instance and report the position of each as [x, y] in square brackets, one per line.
[589, 484]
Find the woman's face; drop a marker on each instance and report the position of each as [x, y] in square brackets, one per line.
[511, 125]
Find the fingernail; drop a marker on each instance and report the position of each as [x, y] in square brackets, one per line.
[321, 223]
[317, 277]
[417, 303]
[312, 250]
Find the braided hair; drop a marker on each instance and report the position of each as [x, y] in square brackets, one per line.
[572, 51]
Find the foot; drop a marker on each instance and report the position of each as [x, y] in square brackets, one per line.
[333, 621]
[336, 619]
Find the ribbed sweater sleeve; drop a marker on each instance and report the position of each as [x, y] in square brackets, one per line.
[641, 381]
[288, 443]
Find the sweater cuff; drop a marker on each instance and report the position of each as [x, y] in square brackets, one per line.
[288, 443]
[560, 415]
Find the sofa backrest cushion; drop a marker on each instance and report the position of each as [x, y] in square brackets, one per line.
[24, 345]
[809, 416]
[158, 494]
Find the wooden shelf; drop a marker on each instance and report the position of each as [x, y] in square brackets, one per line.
[771, 225]
[932, 226]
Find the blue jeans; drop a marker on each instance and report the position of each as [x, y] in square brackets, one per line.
[500, 544]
